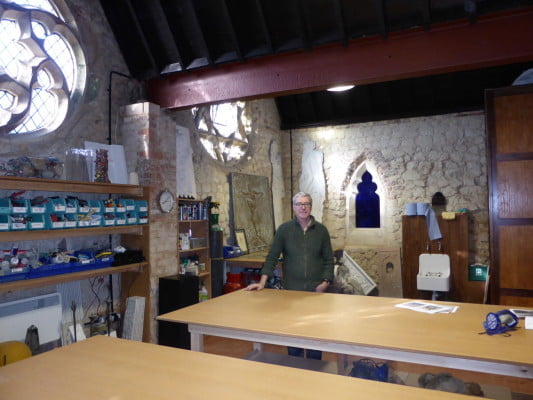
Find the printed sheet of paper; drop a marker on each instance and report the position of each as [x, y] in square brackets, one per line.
[429, 308]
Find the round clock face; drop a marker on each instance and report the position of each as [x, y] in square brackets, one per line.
[165, 201]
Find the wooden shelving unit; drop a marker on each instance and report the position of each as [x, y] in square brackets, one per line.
[15, 236]
[135, 277]
[56, 185]
[196, 228]
[74, 276]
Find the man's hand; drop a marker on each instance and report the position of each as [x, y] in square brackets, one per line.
[322, 287]
[258, 286]
[255, 286]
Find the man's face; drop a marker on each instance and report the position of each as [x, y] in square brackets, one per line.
[302, 207]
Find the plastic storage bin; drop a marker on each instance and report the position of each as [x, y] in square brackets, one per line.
[49, 270]
[55, 221]
[109, 219]
[83, 221]
[5, 205]
[96, 220]
[109, 206]
[56, 205]
[71, 206]
[20, 206]
[36, 222]
[120, 207]
[96, 206]
[11, 277]
[38, 205]
[129, 204]
[71, 221]
[120, 219]
[4, 222]
[18, 222]
[83, 206]
[132, 218]
[141, 206]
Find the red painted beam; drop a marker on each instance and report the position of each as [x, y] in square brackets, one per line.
[496, 40]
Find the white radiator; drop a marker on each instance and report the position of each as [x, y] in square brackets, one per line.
[42, 311]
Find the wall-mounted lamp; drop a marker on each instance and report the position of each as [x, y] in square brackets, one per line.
[342, 88]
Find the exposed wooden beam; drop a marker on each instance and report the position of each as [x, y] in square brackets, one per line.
[492, 41]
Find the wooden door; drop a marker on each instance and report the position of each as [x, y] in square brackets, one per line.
[509, 117]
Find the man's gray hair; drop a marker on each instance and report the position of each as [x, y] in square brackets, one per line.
[301, 194]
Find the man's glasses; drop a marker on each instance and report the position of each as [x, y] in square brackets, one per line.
[302, 204]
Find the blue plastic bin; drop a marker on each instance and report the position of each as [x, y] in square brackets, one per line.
[5, 205]
[20, 206]
[49, 270]
[83, 206]
[109, 219]
[56, 205]
[13, 277]
[109, 206]
[128, 203]
[18, 223]
[59, 222]
[36, 222]
[71, 221]
[132, 218]
[71, 206]
[37, 206]
[143, 218]
[96, 206]
[141, 206]
[120, 219]
[4, 222]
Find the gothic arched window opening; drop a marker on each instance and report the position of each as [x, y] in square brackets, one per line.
[367, 208]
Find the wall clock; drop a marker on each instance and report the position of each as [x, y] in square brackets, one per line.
[165, 201]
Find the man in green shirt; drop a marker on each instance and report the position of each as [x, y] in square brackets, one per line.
[307, 256]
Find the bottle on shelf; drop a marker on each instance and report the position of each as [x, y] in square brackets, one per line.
[202, 293]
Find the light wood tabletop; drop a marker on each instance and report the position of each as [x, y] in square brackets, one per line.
[252, 260]
[362, 325]
[105, 368]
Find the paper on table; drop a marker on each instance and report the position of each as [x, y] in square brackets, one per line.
[429, 308]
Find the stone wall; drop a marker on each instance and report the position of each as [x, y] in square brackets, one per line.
[410, 159]
[212, 177]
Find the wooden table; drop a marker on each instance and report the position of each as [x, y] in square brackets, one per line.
[363, 326]
[104, 368]
[250, 260]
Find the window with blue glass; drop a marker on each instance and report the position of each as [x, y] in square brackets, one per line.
[367, 203]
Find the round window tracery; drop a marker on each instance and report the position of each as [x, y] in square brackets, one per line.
[42, 67]
[224, 130]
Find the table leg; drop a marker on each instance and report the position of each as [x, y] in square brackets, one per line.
[197, 342]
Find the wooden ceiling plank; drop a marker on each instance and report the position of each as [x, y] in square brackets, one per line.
[231, 29]
[303, 23]
[339, 17]
[264, 26]
[195, 19]
[447, 48]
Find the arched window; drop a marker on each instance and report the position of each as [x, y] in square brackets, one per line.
[367, 207]
[42, 67]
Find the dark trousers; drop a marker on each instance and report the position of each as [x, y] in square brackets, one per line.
[298, 352]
